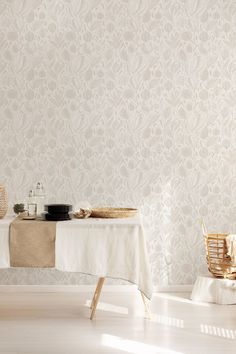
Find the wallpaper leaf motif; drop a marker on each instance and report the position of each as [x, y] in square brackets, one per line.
[123, 103]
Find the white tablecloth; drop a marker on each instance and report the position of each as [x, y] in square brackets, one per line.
[112, 248]
[4, 242]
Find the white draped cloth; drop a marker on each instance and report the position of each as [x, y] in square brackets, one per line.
[4, 242]
[231, 247]
[112, 248]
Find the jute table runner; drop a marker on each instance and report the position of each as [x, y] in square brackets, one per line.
[32, 243]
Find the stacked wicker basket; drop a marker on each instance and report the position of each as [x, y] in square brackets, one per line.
[218, 261]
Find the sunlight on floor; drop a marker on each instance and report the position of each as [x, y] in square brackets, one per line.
[181, 299]
[103, 306]
[168, 321]
[218, 331]
[131, 346]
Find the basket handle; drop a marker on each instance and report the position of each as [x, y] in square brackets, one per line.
[204, 229]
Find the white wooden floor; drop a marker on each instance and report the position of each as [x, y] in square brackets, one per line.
[59, 323]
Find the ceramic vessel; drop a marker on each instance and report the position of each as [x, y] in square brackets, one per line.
[3, 201]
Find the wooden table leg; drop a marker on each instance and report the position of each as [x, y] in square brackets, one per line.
[146, 305]
[96, 296]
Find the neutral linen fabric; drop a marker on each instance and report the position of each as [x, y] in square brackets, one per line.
[4, 242]
[32, 243]
[231, 246]
[106, 248]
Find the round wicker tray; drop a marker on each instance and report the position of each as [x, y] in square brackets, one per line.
[113, 212]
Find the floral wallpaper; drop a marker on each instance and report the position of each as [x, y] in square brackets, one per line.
[123, 103]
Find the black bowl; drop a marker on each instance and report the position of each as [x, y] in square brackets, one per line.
[58, 208]
[57, 217]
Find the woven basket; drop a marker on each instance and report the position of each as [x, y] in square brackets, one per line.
[3, 202]
[218, 261]
[113, 212]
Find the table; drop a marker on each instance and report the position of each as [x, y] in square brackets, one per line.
[106, 248]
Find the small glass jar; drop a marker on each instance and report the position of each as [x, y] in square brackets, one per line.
[40, 198]
[32, 209]
[32, 205]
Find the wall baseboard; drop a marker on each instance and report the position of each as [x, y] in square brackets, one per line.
[173, 288]
[86, 288]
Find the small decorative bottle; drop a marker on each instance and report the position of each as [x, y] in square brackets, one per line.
[40, 198]
[32, 206]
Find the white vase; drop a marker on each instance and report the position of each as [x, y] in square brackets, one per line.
[3, 201]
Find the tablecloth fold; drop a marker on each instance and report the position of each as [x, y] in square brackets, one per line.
[106, 248]
[4, 242]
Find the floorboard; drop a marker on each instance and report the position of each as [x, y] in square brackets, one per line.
[35, 323]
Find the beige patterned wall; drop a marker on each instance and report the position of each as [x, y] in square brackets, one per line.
[123, 102]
